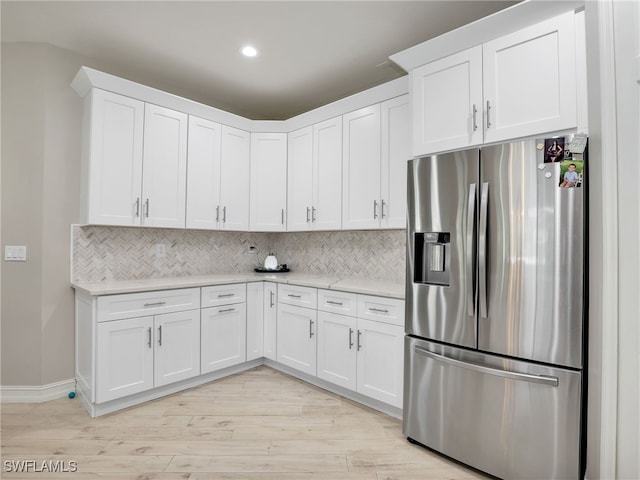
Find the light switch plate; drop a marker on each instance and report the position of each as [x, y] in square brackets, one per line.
[15, 253]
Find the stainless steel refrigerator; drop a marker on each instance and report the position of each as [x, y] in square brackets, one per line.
[494, 309]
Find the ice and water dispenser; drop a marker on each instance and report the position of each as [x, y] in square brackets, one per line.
[432, 258]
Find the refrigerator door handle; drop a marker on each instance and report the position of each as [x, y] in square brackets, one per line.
[542, 379]
[482, 250]
[471, 215]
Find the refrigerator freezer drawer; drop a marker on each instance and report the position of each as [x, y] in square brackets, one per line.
[508, 418]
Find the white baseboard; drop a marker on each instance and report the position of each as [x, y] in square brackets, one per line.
[36, 394]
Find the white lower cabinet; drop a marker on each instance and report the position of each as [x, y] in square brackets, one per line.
[270, 311]
[255, 320]
[296, 337]
[360, 354]
[137, 354]
[223, 336]
[124, 358]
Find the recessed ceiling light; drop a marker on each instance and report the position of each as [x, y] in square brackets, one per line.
[249, 51]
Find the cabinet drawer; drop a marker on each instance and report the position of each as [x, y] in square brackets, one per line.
[338, 302]
[224, 295]
[380, 309]
[300, 296]
[129, 305]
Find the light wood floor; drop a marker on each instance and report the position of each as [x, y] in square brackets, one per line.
[257, 425]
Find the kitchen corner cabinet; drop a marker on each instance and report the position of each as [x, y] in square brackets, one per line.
[375, 155]
[268, 182]
[255, 320]
[223, 326]
[134, 162]
[518, 85]
[314, 169]
[218, 176]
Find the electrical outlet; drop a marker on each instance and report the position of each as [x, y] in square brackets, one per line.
[161, 250]
[252, 249]
[15, 253]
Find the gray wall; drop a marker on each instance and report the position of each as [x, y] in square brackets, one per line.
[41, 122]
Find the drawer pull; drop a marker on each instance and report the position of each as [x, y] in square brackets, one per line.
[294, 296]
[226, 295]
[226, 310]
[333, 302]
[378, 310]
[155, 304]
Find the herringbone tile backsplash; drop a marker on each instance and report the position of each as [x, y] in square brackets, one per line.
[120, 253]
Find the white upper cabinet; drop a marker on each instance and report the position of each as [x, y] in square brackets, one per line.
[529, 80]
[396, 151]
[300, 179]
[361, 169]
[164, 167]
[268, 182]
[376, 151]
[112, 159]
[234, 179]
[326, 209]
[447, 98]
[203, 174]
[314, 177]
[517, 85]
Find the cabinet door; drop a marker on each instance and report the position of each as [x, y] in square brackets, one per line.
[337, 349]
[223, 336]
[112, 163]
[300, 179]
[234, 179]
[361, 169]
[124, 358]
[380, 361]
[203, 174]
[447, 103]
[164, 167]
[270, 320]
[255, 320]
[529, 80]
[297, 337]
[177, 348]
[268, 189]
[326, 210]
[395, 155]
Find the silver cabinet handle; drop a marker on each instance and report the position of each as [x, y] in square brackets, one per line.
[488, 114]
[224, 214]
[378, 310]
[217, 213]
[359, 345]
[482, 250]
[294, 296]
[350, 338]
[545, 380]
[311, 322]
[226, 310]
[313, 214]
[155, 304]
[146, 208]
[271, 299]
[382, 204]
[226, 295]
[333, 302]
[138, 207]
[160, 335]
[475, 113]
[282, 217]
[471, 223]
[149, 332]
[375, 209]
[308, 211]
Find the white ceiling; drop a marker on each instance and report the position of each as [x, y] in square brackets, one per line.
[311, 53]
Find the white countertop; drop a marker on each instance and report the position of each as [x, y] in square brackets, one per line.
[383, 288]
